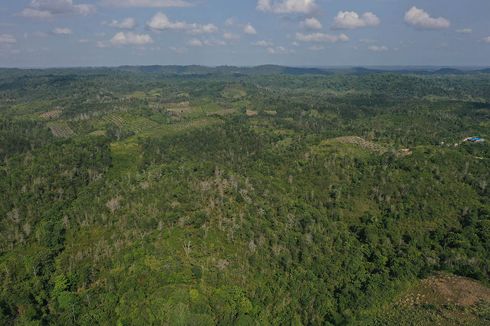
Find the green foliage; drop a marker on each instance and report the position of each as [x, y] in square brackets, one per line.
[145, 216]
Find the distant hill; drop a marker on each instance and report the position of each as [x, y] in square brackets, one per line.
[448, 71]
[225, 70]
[198, 70]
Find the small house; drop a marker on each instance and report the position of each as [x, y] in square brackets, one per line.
[474, 140]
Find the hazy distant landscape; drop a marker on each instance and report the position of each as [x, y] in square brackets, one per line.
[263, 162]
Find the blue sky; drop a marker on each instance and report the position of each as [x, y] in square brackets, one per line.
[54, 33]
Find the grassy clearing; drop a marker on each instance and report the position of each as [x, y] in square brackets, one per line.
[138, 95]
[234, 92]
[125, 158]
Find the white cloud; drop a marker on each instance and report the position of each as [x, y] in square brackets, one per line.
[321, 37]
[287, 6]
[352, 20]
[7, 39]
[367, 40]
[102, 45]
[249, 29]
[126, 23]
[421, 19]
[161, 22]
[464, 31]
[378, 48]
[40, 34]
[486, 39]
[62, 31]
[214, 42]
[147, 3]
[34, 13]
[195, 42]
[263, 44]
[179, 50]
[230, 22]
[203, 29]
[130, 38]
[230, 36]
[316, 48]
[198, 43]
[45, 9]
[277, 50]
[311, 23]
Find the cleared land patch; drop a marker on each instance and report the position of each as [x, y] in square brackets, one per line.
[442, 299]
[60, 129]
[251, 113]
[234, 92]
[355, 140]
[164, 130]
[136, 124]
[448, 289]
[53, 114]
[179, 109]
[115, 119]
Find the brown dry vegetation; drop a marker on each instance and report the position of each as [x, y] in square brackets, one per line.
[251, 113]
[442, 299]
[449, 289]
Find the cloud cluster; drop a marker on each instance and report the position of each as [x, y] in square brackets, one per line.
[464, 31]
[287, 6]
[263, 44]
[278, 50]
[249, 29]
[321, 37]
[147, 3]
[487, 39]
[352, 20]
[421, 19]
[127, 23]
[130, 38]
[231, 36]
[161, 22]
[198, 43]
[271, 48]
[45, 9]
[378, 48]
[62, 31]
[6, 39]
[311, 23]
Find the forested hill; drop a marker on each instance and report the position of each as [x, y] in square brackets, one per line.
[257, 70]
[169, 195]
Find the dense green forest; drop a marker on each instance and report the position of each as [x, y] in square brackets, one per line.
[258, 196]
